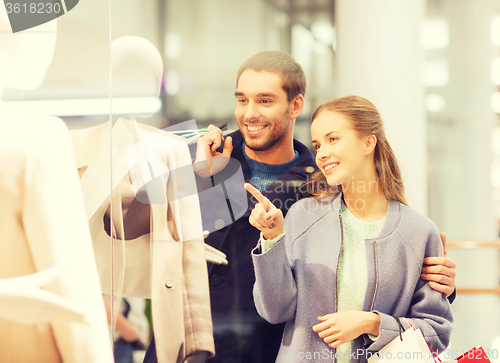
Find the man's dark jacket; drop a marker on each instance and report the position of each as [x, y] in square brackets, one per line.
[231, 285]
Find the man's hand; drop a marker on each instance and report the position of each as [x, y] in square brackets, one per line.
[342, 327]
[265, 216]
[440, 271]
[208, 161]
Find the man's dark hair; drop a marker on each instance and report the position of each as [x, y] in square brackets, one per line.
[281, 63]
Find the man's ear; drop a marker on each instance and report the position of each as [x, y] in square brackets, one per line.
[296, 106]
[370, 143]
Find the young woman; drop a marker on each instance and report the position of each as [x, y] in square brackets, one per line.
[347, 260]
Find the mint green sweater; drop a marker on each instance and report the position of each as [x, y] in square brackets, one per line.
[352, 273]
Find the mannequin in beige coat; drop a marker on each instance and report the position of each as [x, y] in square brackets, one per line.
[159, 251]
[42, 215]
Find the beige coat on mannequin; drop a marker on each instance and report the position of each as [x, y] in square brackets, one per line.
[168, 264]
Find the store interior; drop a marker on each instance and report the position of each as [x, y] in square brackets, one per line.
[432, 67]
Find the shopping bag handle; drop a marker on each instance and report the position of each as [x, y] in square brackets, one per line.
[436, 357]
[401, 328]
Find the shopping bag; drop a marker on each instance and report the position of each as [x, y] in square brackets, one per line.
[408, 346]
[474, 355]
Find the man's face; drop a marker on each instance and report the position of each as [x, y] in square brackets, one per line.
[262, 110]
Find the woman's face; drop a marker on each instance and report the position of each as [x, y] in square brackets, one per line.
[340, 154]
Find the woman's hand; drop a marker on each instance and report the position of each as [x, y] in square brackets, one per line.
[342, 327]
[265, 216]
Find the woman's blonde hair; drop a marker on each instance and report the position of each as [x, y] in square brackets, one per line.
[365, 120]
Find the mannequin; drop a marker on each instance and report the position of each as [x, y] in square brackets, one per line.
[42, 219]
[23, 300]
[158, 246]
[134, 61]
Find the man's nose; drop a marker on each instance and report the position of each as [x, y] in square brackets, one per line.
[252, 112]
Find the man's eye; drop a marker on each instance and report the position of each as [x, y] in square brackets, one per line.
[240, 100]
[265, 101]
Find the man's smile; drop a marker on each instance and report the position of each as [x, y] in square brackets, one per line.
[255, 129]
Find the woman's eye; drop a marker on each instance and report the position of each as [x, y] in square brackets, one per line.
[332, 139]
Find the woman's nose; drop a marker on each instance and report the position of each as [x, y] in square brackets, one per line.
[321, 153]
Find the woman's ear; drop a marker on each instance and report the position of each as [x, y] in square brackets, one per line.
[296, 106]
[370, 143]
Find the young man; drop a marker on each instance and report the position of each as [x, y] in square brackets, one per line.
[269, 97]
